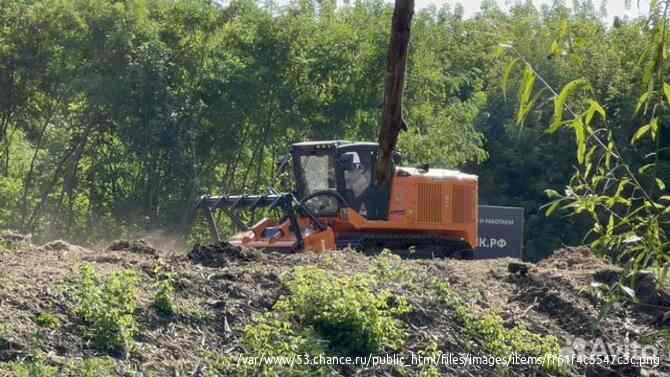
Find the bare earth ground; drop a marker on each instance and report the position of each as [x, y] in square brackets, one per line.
[219, 293]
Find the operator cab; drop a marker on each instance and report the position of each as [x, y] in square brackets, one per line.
[337, 174]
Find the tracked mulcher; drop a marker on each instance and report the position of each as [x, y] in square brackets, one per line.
[335, 203]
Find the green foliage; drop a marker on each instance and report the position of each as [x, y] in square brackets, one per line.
[444, 137]
[323, 313]
[11, 183]
[560, 101]
[387, 268]
[503, 341]
[524, 159]
[346, 311]
[443, 96]
[625, 206]
[430, 350]
[506, 75]
[277, 336]
[36, 368]
[48, 320]
[164, 299]
[525, 95]
[107, 306]
[94, 367]
[5, 246]
[499, 339]
[4, 333]
[87, 367]
[430, 372]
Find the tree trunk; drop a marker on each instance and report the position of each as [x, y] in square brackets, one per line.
[392, 122]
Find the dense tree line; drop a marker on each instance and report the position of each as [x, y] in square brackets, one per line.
[116, 115]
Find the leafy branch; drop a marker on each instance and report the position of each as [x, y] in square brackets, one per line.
[628, 208]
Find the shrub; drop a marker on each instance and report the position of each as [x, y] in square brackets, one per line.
[4, 331]
[35, 368]
[5, 246]
[503, 341]
[499, 340]
[94, 367]
[430, 371]
[48, 321]
[107, 306]
[322, 313]
[387, 268]
[274, 337]
[345, 310]
[164, 301]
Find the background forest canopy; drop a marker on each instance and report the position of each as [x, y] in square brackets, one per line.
[116, 115]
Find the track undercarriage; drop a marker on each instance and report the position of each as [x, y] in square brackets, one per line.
[412, 246]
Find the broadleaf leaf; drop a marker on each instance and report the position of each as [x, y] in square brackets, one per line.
[559, 102]
[506, 74]
[640, 133]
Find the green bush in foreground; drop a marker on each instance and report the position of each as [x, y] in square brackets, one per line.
[35, 368]
[345, 310]
[88, 367]
[499, 340]
[164, 300]
[48, 321]
[274, 335]
[328, 313]
[4, 332]
[323, 314]
[94, 367]
[107, 306]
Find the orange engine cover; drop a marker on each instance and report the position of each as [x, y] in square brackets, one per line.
[438, 202]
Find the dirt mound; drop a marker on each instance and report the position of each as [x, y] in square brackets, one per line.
[135, 246]
[578, 267]
[58, 245]
[556, 296]
[221, 254]
[14, 238]
[573, 258]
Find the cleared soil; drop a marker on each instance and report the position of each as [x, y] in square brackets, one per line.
[219, 290]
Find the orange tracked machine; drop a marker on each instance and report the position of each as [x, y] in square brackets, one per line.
[335, 203]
